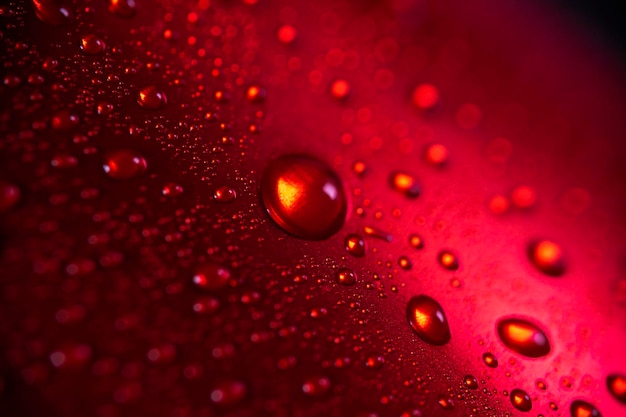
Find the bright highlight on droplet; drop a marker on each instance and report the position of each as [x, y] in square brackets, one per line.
[521, 400]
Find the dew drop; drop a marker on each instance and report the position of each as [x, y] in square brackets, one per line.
[122, 8]
[437, 154]
[490, 360]
[51, 12]
[524, 197]
[224, 194]
[64, 120]
[151, 98]
[346, 277]
[470, 382]
[426, 96]
[448, 260]
[405, 263]
[617, 387]
[445, 403]
[316, 386]
[404, 183]
[547, 256]
[521, 400]
[211, 276]
[304, 197]
[92, 45]
[523, 337]
[340, 89]
[255, 94]
[287, 34]
[359, 168]
[9, 195]
[580, 408]
[354, 245]
[172, 189]
[374, 362]
[124, 164]
[416, 241]
[498, 204]
[428, 320]
[228, 393]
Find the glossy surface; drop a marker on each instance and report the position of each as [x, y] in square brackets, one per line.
[523, 337]
[428, 320]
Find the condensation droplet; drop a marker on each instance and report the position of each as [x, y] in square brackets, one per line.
[122, 8]
[124, 164]
[316, 386]
[346, 277]
[359, 168]
[524, 197]
[151, 98]
[92, 45]
[287, 34]
[255, 94]
[490, 360]
[374, 362]
[228, 393]
[428, 320]
[445, 403]
[416, 241]
[426, 96]
[224, 194]
[521, 400]
[448, 260]
[547, 256]
[304, 197]
[404, 183]
[10, 195]
[405, 263]
[340, 89]
[172, 189]
[355, 245]
[51, 12]
[437, 154]
[470, 382]
[580, 408]
[617, 387]
[211, 276]
[523, 337]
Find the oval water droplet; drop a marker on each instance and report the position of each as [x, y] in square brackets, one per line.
[404, 183]
[580, 408]
[122, 8]
[521, 400]
[224, 194]
[346, 277]
[354, 245]
[416, 241]
[9, 195]
[428, 320]
[617, 387]
[304, 197]
[151, 98]
[211, 276]
[228, 393]
[490, 360]
[437, 154]
[523, 337]
[51, 12]
[448, 260]
[547, 256]
[470, 382]
[92, 45]
[124, 164]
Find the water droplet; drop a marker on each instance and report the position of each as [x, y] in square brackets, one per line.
[124, 164]
[547, 257]
[405, 263]
[580, 408]
[377, 233]
[64, 120]
[470, 382]
[448, 260]
[404, 183]
[359, 168]
[151, 98]
[553, 406]
[92, 45]
[541, 384]
[304, 197]
[228, 393]
[524, 197]
[9, 195]
[617, 387]
[340, 89]
[426, 96]
[346, 277]
[49, 11]
[316, 386]
[490, 360]
[122, 8]
[287, 34]
[224, 194]
[255, 94]
[206, 305]
[172, 189]
[428, 319]
[523, 337]
[416, 241]
[355, 245]
[445, 403]
[498, 204]
[211, 276]
[374, 362]
[521, 400]
[437, 154]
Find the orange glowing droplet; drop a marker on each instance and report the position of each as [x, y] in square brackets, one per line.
[151, 98]
[523, 337]
[92, 45]
[428, 320]
[490, 360]
[304, 197]
[355, 245]
[617, 387]
[580, 408]
[499, 204]
[470, 382]
[437, 154]
[287, 34]
[425, 96]
[521, 400]
[340, 89]
[359, 168]
[524, 197]
[448, 260]
[547, 256]
[405, 183]
[416, 241]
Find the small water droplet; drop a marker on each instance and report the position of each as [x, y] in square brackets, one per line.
[541, 384]
[404, 183]
[448, 260]
[9, 195]
[523, 337]
[359, 168]
[428, 320]
[617, 387]
[553, 406]
[228, 393]
[405, 263]
[547, 256]
[92, 45]
[124, 164]
[122, 8]
[255, 94]
[172, 189]
[287, 34]
[470, 382]
[498, 204]
[521, 400]
[374, 362]
[151, 98]
[224, 194]
[445, 403]
[377, 233]
[490, 360]
[416, 241]
[211, 276]
[346, 277]
[316, 386]
[354, 245]
[437, 154]
[64, 120]
[340, 89]
[426, 96]
[304, 197]
[524, 197]
[580, 408]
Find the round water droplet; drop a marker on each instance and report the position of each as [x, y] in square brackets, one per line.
[172, 189]
[405, 263]
[404, 183]
[416, 241]
[580, 408]
[448, 260]
[524, 197]
[617, 387]
[541, 384]
[437, 154]
[224, 194]
[521, 400]
[355, 245]
[122, 8]
[346, 277]
[359, 168]
[92, 45]
[428, 320]
[124, 164]
[316, 386]
[340, 89]
[255, 93]
[228, 393]
[523, 337]
[64, 120]
[426, 96]
[151, 98]
[211, 276]
[445, 403]
[9, 195]
[470, 382]
[374, 362]
[547, 256]
[304, 197]
[287, 34]
[490, 360]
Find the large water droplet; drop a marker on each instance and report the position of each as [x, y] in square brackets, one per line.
[124, 164]
[151, 98]
[50, 11]
[92, 45]
[470, 382]
[523, 337]
[521, 400]
[547, 257]
[428, 319]
[617, 387]
[580, 408]
[304, 196]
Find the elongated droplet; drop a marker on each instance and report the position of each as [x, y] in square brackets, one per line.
[617, 387]
[523, 337]
[428, 319]
[580, 408]
[547, 257]
[304, 197]
[521, 400]
[490, 360]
